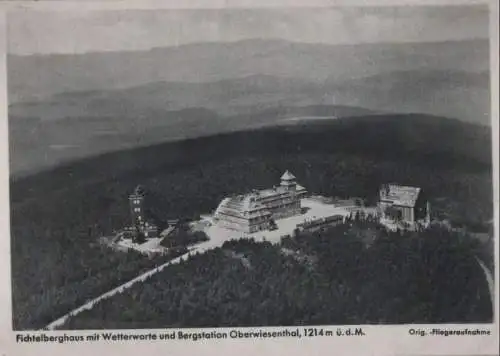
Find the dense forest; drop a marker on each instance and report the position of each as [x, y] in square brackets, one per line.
[74, 282]
[58, 215]
[354, 273]
[183, 236]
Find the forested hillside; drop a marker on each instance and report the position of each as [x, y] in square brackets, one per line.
[57, 215]
[356, 273]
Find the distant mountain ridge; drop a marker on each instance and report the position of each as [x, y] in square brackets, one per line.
[72, 106]
[41, 76]
[449, 93]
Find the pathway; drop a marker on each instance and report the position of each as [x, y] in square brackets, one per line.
[120, 289]
[489, 279]
[217, 238]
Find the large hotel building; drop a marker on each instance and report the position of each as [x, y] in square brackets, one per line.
[256, 211]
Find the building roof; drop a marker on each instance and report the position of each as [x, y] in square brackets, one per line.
[275, 191]
[272, 192]
[299, 188]
[253, 204]
[242, 206]
[399, 194]
[139, 190]
[287, 176]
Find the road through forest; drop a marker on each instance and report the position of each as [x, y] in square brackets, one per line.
[200, 248]
[121, 288]
[489, 278]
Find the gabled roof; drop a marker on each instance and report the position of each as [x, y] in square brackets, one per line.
[300, 188]
[399, 194]
[242, 206]
[287, 176]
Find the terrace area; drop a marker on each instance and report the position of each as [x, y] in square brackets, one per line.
[313, 209]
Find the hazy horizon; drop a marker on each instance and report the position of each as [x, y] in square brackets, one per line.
[82, 83]
[251, 39]
[63, 32]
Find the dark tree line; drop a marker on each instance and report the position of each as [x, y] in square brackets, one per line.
[400, 277]
[183, 236]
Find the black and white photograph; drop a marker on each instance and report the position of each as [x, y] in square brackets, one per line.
[251, 167]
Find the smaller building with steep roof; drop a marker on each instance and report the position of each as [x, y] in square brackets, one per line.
[404, 205]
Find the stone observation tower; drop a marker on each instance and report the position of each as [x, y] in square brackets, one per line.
[140, 218]
[136, 200]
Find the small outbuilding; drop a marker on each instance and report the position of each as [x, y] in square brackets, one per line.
[404, 205]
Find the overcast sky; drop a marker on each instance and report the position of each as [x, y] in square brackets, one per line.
[86, 31]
